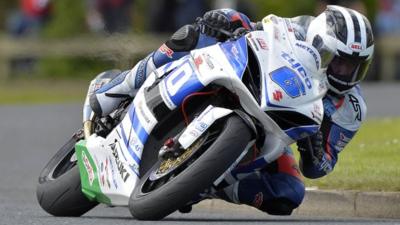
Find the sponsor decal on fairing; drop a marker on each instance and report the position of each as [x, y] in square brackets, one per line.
[262, 43]
[298, 67]
[208, 60]
[181, 82]
[236, 53]
[164, 49]
[200, 124]
[89, 168]
[312, 53]
[120, 164]
[198, 61]
[277, 95]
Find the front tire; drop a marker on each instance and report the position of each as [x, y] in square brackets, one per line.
[180, 188]
[59, 189]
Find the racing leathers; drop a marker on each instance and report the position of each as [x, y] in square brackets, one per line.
[277, 187]
[343, 116]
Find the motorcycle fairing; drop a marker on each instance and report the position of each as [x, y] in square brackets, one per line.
[236, 53]
[122, 149]
[181, 82]
[292, 82]
[222, 64]
[201, 123]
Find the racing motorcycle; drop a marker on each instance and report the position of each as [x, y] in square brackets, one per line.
[189, 125]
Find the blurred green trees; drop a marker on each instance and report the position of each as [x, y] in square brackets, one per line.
[287, 8]
[69, 20]
[69, 15]
[6, 7]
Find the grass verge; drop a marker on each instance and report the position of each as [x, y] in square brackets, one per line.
[42, 91]
[370, 162]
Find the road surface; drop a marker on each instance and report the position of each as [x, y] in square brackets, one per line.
[30, 135]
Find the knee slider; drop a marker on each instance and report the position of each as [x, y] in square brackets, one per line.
[104, 81]
[184, 39]
[279, 207]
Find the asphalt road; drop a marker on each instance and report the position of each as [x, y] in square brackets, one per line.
[29, 135]
[382, 99]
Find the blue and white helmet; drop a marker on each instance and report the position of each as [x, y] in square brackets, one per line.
[354, 45]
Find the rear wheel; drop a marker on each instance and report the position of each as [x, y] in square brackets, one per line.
[59, 189]
[171, 183]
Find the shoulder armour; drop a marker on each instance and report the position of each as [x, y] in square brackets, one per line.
[352, 111]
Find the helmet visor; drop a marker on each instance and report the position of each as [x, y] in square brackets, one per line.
[348, 71]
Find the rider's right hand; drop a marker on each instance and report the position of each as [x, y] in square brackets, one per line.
[217, 19]
[226, 19]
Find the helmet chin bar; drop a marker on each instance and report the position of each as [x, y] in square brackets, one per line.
[332, 81]
[336, 91]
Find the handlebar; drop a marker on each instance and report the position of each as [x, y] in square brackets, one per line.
[231, 35]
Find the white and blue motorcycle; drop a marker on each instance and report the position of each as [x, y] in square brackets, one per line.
[190, 124]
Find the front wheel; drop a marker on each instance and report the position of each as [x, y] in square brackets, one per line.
[59, 189]
[169, 185]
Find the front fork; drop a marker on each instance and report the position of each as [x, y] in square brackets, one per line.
[88, 128]
[201, 124]
[204, 121]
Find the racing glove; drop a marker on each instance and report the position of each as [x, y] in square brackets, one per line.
[226, 19]
[314, 162]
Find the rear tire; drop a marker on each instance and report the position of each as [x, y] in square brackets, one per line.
[195, 178]
[59, 189]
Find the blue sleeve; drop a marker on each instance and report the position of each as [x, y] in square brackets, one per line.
[335, 138]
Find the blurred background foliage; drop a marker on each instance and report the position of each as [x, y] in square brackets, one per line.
[69, 20]
[70, 14]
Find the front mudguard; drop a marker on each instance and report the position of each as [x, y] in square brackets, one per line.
[208, 117]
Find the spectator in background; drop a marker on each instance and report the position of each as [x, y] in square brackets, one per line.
[111, 16]
[387, 23]
[243, 6]
[387, 20]
[30, 18]
[27, 21]
[170, 15]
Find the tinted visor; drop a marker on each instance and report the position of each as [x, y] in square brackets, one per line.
[348, 71]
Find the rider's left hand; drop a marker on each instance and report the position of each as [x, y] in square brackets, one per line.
[311, 149]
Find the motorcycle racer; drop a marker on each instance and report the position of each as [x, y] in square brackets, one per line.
[277, 187]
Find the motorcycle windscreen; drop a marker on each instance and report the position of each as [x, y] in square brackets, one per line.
[236, 53]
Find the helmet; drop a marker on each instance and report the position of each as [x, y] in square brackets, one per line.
[354, 45]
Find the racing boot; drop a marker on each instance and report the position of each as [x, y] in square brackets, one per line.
[275, 188]
[207, 194]
[105, 99]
